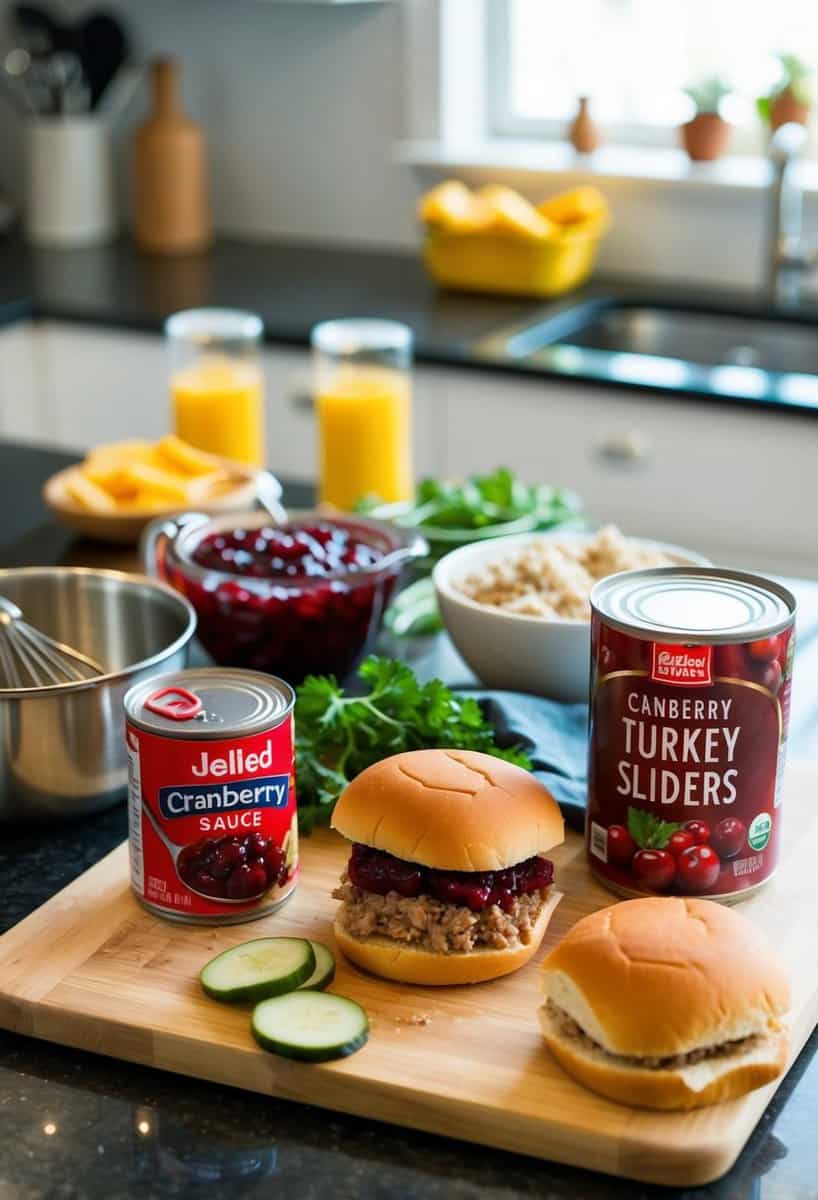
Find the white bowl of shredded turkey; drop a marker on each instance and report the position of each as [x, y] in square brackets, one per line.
[517, 608]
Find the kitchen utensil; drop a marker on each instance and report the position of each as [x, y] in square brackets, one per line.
[30, 659]
[268, 494]
[170, 195]
[17, 62]
[62, 748]
[119, 93]
[290, 624]
[61, 76]
[38, 30]
[125, 528]
[50, 85]
[101, 43]
[92, 970]
[70, 194]
[14, 93]
[22, 93]
[514, 651]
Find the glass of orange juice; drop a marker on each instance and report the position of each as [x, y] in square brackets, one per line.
[216, 381]
[363, 399]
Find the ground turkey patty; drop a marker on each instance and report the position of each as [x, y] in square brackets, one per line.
[434, 925]
[570, 1029]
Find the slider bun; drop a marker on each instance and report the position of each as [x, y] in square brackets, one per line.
[456, 810]
[664, 975]
[410, 964]
[659, 977]
[710, 1081]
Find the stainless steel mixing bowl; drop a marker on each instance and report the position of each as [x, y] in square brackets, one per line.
[62, 749]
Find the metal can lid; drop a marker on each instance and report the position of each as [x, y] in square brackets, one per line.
[210, 702]
[693, 604]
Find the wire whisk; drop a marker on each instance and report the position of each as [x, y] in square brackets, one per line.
[30, 659]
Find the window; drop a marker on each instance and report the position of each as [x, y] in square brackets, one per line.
[633, 58]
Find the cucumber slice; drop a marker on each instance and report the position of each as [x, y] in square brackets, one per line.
[259, 968]
[311, 1026]
[324, 972]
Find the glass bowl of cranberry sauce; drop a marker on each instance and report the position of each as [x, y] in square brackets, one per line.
[297, 599]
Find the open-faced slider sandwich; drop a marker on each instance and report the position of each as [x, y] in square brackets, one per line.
[666, 1003]
[446, 882]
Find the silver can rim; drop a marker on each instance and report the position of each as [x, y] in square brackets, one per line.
[692, 637]
[188, 730]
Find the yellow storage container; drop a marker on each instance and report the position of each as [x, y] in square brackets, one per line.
[496, 262]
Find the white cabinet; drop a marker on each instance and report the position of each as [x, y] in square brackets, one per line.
[102, 385]
[737, 484]
[291, 437]
[73, 386]
[23, 409]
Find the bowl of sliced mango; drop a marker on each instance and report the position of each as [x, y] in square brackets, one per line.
[494, 240]
[120, 487]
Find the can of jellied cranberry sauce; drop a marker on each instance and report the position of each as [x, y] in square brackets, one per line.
[691, 671]
[212, 816]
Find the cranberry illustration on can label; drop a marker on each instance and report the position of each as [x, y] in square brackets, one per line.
[690, 684]
[212, 805]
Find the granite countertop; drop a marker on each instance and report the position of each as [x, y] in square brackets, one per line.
[76, 1126]
[293, 285]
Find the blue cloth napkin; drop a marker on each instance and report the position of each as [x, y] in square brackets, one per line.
[554, 735]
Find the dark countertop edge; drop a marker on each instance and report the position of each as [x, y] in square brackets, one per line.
[463, 356]
[454, 358]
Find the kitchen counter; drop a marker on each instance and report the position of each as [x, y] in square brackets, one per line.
[294, 285]
[78, 1126]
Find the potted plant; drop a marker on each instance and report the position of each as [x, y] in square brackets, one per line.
[705, 136]
[791, 97]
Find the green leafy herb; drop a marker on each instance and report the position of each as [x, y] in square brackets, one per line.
[649, 832]
[481, 501]
[339, 735]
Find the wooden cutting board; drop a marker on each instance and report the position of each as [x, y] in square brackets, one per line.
[92, 969]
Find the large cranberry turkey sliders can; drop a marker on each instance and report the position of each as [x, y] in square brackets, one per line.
[691, 671]
[213, 827]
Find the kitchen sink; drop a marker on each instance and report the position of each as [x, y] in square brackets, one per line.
[711, 339]
[713, 352]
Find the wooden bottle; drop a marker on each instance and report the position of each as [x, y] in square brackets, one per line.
[171, 213]
[584, 133]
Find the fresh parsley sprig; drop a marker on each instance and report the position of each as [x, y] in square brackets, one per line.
[339, 735]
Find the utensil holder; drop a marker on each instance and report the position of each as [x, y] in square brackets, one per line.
[70, 193]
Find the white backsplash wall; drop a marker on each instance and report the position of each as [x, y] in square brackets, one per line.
[304, 106]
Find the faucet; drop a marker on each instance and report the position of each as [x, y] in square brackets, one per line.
[790, 254]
